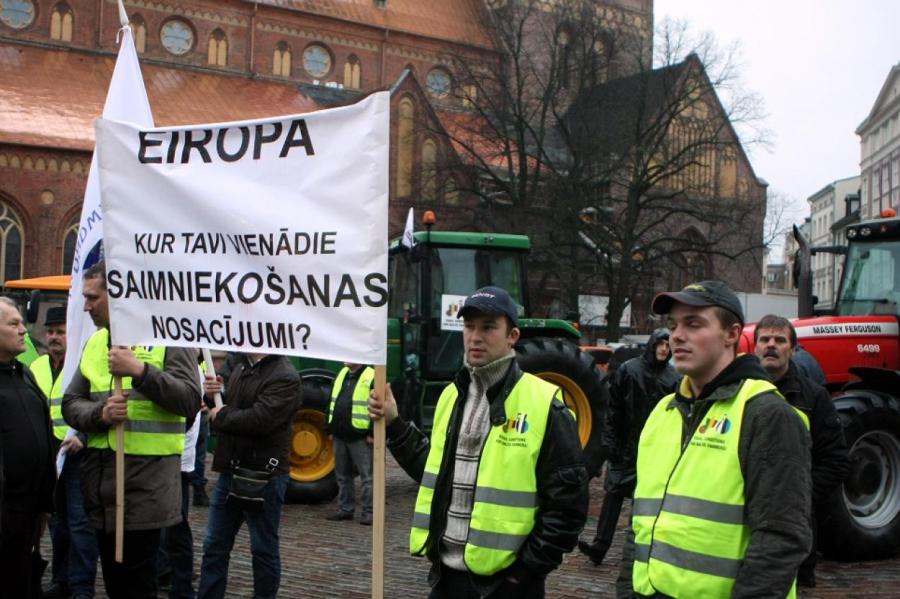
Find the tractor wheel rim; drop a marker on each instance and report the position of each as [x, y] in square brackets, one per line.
[312, 455]
[575, 400]
[874, 501]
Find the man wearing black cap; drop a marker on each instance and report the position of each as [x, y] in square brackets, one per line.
[74, 543]
[721, 507]
[503, 490]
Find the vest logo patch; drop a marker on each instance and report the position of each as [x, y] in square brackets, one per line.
[720, 425]
[518, 424]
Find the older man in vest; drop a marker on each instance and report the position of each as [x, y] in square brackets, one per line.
[74, 542]
[161, 388]
[721, 507]
[503, 490]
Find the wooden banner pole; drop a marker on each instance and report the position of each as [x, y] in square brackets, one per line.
[378, 493]
[120, 480]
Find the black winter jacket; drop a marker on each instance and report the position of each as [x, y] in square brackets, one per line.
[773, 451]
[562, 482]
[830, 463]
[634, 390]
[255, 424]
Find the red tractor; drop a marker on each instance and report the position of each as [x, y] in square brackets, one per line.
[857, 344]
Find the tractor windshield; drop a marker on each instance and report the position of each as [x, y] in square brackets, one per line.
[460, 271]
[871, 282]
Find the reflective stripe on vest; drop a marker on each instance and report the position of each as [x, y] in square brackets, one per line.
[359, 413]
[505, 502]
[52, 388]
[149, 429]
[688, 513]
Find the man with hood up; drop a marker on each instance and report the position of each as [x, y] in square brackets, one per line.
[634, 390]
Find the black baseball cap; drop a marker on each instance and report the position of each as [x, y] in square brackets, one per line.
[704, 293]
[491, 300]
[56, 315]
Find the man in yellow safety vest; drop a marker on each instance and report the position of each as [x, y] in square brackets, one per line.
[161, 388]
[721, 507]
[503, 486]
[74, 542]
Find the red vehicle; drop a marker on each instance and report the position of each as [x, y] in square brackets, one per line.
[857, 344]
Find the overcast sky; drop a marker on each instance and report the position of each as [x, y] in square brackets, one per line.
[818, 66]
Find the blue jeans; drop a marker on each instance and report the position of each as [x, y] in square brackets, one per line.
[75, 550]
[176, 549]
[225, 519]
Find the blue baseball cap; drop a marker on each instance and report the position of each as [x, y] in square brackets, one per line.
[491, 300]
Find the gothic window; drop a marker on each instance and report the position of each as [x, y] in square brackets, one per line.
[352, 73]
[564, 58]
[70, 237]
[12, 244]
[317, 60]
[406, 114]
[139, 28]
[470, 95]
[177, 36]
[61, 23]
[17, 14]
[217, 50]
[429, 170]
[281, 60]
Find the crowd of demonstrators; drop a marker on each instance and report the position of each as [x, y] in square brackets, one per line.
[253, 429]
[26, 461]
[634, 389]
[350, 429]
[503, 485]
[776, 340]
[160, 390]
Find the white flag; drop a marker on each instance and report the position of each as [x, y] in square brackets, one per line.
[408, 240]
[126, 100]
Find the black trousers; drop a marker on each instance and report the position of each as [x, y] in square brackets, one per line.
[19, 529]
[454, 584]
[609, 519]
[135, 577]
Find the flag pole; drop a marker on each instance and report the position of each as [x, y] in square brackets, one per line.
[378, 492]
[120, 480]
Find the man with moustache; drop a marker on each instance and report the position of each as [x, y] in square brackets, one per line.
[27, 473]
[74, 542]
[776, 340]
[721, 507]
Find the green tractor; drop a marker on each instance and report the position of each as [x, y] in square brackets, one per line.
[425, 348]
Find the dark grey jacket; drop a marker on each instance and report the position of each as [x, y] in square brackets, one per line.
[774, 452]
[561, 479]
[152, 483]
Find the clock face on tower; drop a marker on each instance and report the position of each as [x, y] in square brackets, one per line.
[177, 37]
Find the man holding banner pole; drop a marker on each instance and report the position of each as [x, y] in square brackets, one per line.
[503, 490]
[160, 389]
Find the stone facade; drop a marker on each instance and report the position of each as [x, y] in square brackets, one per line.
[879, 136]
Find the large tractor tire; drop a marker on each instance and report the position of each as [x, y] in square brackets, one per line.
[861, 520]
[562, 363]
[312, 478]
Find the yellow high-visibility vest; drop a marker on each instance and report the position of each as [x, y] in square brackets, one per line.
[52, 388]
[359, 413]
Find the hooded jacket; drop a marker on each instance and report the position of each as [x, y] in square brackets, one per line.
[634, 390]
[561, 480]
[773, 451]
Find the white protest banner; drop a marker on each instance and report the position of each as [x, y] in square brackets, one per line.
[265, 236]
[126, 100]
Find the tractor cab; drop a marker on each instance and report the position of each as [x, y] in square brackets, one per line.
[871, 280]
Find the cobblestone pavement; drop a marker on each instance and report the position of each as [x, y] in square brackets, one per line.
[322, 559]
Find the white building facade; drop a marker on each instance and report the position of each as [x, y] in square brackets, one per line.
[826, 207]
[879, 136]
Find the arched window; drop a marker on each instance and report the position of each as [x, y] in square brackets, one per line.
[564, 58]
[281, 60]
[12, 244]
[429, 170]
[70, 238]
[406, 113]
[61, 23]
[139, 28]
[217, 52]
[352, 75]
